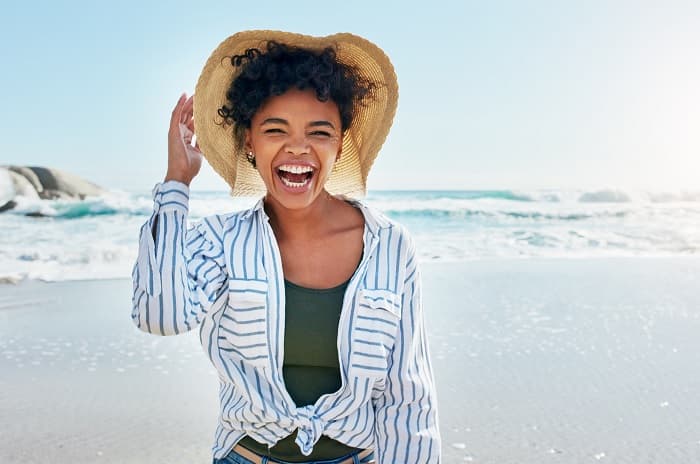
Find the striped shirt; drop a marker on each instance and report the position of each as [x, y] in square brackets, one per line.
[224, 276]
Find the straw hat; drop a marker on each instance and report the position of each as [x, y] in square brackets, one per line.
[361, 142]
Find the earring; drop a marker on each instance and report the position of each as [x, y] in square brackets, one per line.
[251, 158]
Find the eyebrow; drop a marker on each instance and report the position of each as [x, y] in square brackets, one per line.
[321, 123]
[274, 121]
[284, 121]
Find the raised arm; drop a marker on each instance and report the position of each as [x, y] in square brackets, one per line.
[179, 273]
[406, 427]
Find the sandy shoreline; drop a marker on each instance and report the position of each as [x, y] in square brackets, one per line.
[538, 360]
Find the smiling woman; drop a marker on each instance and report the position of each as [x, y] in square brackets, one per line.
[295, 140]
[308, 304]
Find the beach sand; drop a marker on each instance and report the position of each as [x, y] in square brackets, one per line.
[536, 361]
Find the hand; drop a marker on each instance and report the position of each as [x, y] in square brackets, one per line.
[184, 159]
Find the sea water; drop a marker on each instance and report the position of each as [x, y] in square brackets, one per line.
[97, 238]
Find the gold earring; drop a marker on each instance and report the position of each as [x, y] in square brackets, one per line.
[251, 158]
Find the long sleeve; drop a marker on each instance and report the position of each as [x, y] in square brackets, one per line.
[179, 272]
[406, 427]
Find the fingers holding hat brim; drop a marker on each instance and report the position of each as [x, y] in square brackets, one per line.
[183, 114]
[187, 110]
[177, 112]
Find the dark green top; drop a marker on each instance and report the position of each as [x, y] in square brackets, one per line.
[311, 367]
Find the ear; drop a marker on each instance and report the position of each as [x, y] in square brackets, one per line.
[340, 149]
[247, 146]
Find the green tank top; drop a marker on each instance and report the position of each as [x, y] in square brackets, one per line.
[311, 367]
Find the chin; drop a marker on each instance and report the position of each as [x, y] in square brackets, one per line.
[293, 201]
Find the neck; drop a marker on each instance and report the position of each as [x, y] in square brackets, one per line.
[304, 223]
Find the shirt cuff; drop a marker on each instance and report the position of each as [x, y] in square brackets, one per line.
[171, 195]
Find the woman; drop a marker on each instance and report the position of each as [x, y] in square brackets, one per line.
[309, 303]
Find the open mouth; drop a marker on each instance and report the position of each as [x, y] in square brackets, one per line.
[295, 176]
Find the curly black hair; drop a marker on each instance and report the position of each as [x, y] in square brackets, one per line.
[281, 67]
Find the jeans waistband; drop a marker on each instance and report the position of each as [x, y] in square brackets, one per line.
[242, 455]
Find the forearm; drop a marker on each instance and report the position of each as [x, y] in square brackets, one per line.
[163, 300]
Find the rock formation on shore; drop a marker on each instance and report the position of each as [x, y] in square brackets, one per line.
[41, 183]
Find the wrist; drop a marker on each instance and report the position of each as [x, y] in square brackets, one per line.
[178, 178]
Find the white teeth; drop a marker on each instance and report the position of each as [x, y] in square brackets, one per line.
[295, 169]
[294, 184]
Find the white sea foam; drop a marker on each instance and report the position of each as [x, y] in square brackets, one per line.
[97, 237]
[7, 192]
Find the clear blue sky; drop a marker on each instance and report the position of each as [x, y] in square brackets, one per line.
[501, 94]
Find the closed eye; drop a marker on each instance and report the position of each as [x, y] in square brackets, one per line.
[274, 130]
[321, 133]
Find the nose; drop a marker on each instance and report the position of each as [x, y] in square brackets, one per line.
[297, 145]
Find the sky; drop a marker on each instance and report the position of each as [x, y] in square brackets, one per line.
[493, 95]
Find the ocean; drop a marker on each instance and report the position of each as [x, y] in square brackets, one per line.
[97, 238]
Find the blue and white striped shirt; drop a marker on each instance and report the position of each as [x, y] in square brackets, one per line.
[224, 276]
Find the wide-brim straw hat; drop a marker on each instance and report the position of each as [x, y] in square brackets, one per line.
[361, 142]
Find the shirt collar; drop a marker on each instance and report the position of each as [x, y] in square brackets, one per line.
[258, 206]
[373, 219]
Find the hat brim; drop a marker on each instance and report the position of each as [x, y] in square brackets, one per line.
[361, 142]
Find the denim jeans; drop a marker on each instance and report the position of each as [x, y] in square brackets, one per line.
[235, 458]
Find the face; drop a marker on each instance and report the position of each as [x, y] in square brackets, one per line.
[296, 140]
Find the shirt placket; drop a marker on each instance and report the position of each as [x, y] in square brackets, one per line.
[370, 241]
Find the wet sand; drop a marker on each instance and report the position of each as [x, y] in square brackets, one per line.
[536, 361]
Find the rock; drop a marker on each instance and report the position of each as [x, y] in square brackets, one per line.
[15, 185]
[9, 205]
[60, 184]
[7, 190]
[29, 176]
[23, 186]
[42, 183]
